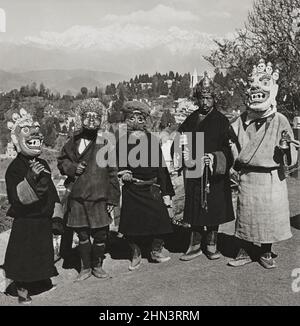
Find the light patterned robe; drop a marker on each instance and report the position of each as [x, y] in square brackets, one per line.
[263, 208]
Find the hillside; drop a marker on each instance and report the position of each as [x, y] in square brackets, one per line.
[59, 80]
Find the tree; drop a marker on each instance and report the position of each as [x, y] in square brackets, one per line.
[84, 92]
[271, 32]
[164, 89]
[111, 89]
[42, 91]
[167, 119]
[64, 129]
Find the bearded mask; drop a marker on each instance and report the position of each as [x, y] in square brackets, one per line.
[25, 134]
[263, 87]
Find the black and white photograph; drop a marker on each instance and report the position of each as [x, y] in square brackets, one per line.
[149, 156]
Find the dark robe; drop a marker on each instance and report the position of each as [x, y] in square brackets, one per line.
[30, 255]
[143, 211]
[216, 141]
[91, 191]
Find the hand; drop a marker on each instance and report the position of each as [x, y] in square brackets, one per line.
[286, 136]
[109, 208]
[208, 159]
[186, 154]
[167, 201]
[127, 177]
[81, 167]
[37, 168]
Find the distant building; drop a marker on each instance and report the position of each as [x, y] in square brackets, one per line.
[195, 79]
[146, 85]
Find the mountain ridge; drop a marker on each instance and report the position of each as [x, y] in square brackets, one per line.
[59, 80]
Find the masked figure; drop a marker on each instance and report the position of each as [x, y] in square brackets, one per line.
[263, 149]
[35, 207]
[207, 196]
[94, 189]
[147, 190]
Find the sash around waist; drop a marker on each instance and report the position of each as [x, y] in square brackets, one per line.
[258, 169]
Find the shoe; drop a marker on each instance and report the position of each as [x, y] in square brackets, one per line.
[136, 259]
[83, 275]
[26, 300]
[192, 253]
[194, 249]
[158, 257]
[23, 296]
[241, 259]
[98, 254]
[99, 272]
[267, 261]
[211, 251]
[212, 255]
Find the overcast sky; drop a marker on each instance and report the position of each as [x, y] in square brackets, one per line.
[180, 26]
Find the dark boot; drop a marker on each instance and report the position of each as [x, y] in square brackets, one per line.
[211, 251]
[156, 254]
[194, 249]
[136, 256]
[85, 257]
[23, 296]
[98, 251]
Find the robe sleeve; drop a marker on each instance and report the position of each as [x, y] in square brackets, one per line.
[65, 165]
[19, 190]
[223, 159]
[113, 196]
[29, 189]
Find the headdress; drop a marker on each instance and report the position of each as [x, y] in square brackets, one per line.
[131, 106]
[204, 87]
[20, 120]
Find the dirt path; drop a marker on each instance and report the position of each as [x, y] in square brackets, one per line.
[199, 282]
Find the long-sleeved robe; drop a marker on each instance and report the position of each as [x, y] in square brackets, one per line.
[91, 191]
[143, 212]
[263, 206]
[34, 201]
[215, 127]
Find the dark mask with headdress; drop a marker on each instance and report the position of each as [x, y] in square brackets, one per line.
[136, 114]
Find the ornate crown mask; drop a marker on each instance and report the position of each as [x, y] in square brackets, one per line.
[88, 114]
[25, 134]
[263, 87]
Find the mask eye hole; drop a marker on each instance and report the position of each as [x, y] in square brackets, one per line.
[25, 130]
[266, 82]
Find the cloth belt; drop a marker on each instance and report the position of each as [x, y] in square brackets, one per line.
[258, 169]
